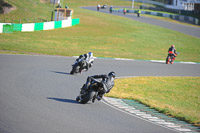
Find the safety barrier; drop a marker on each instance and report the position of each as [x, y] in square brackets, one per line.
[172, 16]
[28, 27]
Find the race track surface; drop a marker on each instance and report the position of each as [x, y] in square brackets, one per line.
[186, 29]
[37, 95]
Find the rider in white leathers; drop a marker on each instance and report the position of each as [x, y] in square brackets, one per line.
[88, 60]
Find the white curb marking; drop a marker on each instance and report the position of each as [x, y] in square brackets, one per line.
[183, 129]
[129, 109]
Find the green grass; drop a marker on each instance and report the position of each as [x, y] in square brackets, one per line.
[103, 34]
[175, 96]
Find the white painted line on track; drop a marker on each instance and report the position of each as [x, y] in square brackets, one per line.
[188, 62]
[124, 59]
[157, 61]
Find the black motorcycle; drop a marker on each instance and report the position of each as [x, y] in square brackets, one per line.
[104, 7]
[78, 66]
[91, 93]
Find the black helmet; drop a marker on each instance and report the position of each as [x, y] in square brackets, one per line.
[112, 74]
[80, 56]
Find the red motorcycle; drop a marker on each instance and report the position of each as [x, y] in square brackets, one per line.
[171, 57]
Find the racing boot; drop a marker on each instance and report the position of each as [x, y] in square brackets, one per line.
[77, 98]
[99, 97]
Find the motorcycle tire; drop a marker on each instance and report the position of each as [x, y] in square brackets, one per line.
[87, 97]
[167, 60]
[74, 70]
[77, 69]
[77, 98]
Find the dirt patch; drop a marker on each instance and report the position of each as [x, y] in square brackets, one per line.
[6, 10]
[5, 7]
[44, 1]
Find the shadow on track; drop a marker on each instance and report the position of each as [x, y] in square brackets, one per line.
[60, 72]
[63, 100]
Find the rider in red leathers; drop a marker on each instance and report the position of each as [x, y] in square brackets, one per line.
[172, 53]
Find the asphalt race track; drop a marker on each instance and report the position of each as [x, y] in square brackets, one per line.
[37, 95]
[186, 29]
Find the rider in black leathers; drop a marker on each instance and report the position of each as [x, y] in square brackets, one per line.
[107, 81]
[82, 61]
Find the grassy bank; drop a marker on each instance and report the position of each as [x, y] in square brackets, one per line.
[175, 96]
[103, 34]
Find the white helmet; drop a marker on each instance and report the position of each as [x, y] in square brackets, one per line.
[90, 54]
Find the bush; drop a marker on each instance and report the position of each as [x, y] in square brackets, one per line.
[4, 4]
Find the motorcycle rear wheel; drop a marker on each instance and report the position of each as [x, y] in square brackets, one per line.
[167, 60]
[87, 97]
[75, 69]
